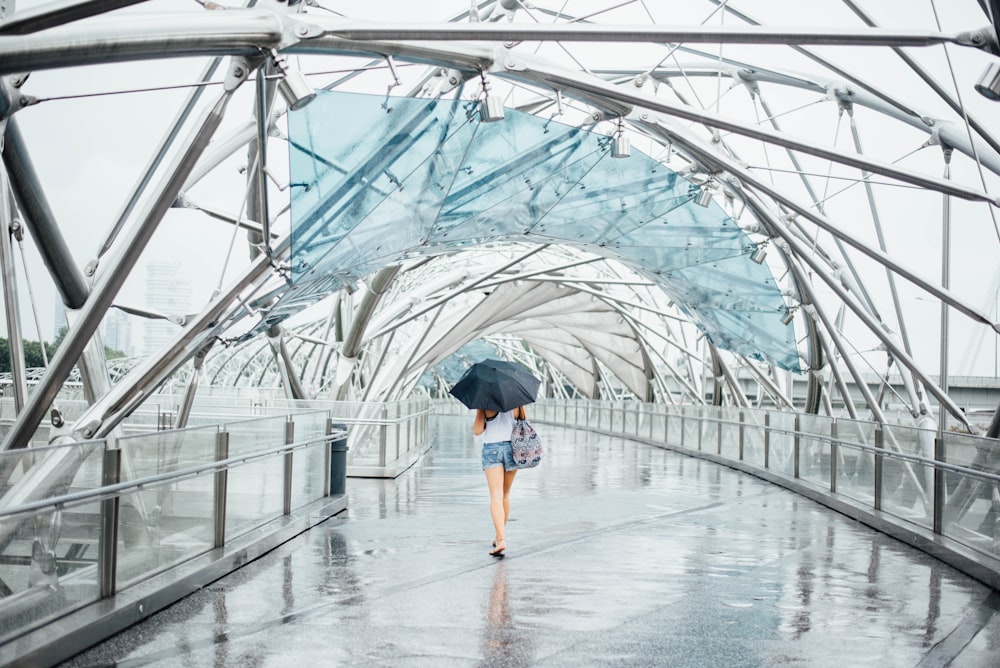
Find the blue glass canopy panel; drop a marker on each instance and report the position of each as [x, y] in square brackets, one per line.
[376, 184]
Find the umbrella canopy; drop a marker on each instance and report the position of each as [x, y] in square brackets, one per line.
[496, 385]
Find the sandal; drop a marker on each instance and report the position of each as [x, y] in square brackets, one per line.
[497, 550]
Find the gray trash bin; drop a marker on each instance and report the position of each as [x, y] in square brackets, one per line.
[338, 461]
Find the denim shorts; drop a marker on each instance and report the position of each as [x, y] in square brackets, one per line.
[498, 454]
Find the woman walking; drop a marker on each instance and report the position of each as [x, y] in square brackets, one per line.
[498, 462]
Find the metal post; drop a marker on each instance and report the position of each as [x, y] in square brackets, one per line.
[767, 440]
[700, 423]
[10, 298]
[945, 284]
[742, 435]
[382, 438]
[879, 444]
[939, 486]
[833, 456]
[221, 486]
[796, 445]
[289, 438]
[718, 430]
[405, 426]
[107, 555]
[683, 417]
[396, 426]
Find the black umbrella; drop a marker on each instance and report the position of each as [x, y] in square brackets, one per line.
[496, 385]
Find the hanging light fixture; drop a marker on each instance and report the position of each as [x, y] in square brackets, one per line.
[704, 196]
[490, 107]
[759, 253]
[293, 86]
[789, 315]
[989, 82]
[620, 145]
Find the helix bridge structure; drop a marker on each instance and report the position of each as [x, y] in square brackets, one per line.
[774, 219]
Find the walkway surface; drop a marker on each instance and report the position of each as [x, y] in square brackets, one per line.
[619, 554]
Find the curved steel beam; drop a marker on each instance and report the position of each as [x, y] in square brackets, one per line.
[40, 219]
[747, 177]
[589, 32]
[143, 37]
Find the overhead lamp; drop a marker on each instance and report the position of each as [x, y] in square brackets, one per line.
[704, 196]
[789, 316]
[490, 107]
[759, 253]
[620, 144]
[989, 82]
[293, 86]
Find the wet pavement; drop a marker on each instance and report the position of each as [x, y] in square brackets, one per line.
[619, 554]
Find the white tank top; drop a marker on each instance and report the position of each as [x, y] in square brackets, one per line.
[498, 429]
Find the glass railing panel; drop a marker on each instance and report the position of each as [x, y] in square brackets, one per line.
[692, 427]
[310, 425]
[154, 453]
[970, 514]
[630, 417]
[617, 418]
[814, 448]
[709, 429]
[308, 474]
[856, 466]
[255, 490]
[255, 495]
[163, 525]
[50, 555]
[907, 486]
[675, 423]
[658, 427]
[782, 443]
[48, 581]
[391, 432]
[601, 415]
[729, 426]
[753, 437]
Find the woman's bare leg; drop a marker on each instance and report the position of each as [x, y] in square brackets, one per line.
[508, 480]
[495, 479]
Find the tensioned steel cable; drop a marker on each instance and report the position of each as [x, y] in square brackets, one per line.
[965, 117]
[34, 304]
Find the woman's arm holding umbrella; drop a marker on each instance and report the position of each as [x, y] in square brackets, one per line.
[479, 424]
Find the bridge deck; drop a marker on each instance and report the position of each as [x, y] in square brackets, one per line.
[619, 554]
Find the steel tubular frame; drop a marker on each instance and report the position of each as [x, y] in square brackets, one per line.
[244, 33]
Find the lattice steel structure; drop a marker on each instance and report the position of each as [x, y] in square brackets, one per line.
[673, 203]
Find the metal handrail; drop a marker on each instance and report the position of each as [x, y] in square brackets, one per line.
[110, 491]
[881, 452]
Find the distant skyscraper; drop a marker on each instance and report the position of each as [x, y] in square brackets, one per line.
[60, 319]
[167, 292]
[117, 332]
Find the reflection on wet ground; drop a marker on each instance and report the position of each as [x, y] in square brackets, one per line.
[618, 554]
